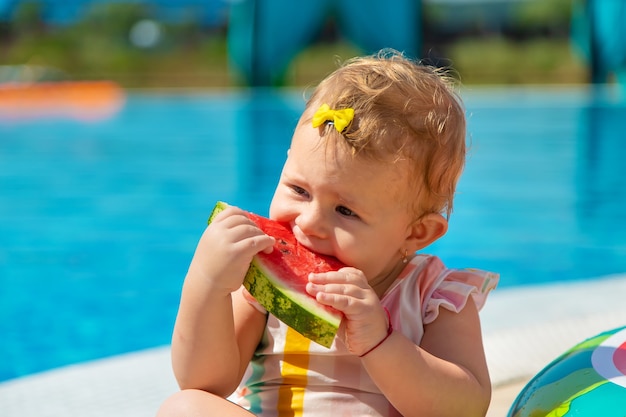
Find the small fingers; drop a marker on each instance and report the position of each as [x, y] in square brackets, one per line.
[339, 302]
[253, 241]
[228, 213]
[263, 243]
[346, 298]
[343, 276]
[337, 289]
[242, 231]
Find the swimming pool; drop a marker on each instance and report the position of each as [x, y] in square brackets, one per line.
[98, 221]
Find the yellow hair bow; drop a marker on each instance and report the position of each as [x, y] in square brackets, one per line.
[341, 119]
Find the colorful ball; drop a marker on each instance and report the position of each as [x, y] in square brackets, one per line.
[588, 380]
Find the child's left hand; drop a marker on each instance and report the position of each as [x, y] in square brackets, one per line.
[348, 291]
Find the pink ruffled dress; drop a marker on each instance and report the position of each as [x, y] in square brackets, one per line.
[293, 376]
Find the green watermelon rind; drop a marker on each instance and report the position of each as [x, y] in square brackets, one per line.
[219, 206]
[299, 311]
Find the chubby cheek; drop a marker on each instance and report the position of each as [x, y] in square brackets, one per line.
[372, 260]
[350, 251]
[280, 207]
[369, 268]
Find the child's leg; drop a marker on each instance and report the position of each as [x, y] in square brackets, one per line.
[196, 403]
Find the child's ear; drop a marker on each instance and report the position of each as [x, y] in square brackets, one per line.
[426, 230]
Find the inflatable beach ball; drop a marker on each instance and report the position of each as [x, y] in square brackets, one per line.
[588, 380]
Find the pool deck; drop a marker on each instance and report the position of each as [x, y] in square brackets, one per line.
[524, 329]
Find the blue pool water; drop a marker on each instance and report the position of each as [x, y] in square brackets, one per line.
[98, 221]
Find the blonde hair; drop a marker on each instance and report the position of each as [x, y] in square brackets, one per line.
[406, 111]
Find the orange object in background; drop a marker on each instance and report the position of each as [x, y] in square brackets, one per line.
[81, 100]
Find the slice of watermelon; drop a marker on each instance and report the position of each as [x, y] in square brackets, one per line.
[278, 282]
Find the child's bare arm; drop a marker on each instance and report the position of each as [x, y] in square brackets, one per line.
[216, 330]
[446, 376]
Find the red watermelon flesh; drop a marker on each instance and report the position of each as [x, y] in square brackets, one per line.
[277, 281]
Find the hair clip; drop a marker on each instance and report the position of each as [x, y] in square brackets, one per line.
[341, 119]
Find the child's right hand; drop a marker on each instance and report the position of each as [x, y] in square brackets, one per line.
[226, 249]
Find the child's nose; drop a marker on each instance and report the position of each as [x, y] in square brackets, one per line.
[312, 222]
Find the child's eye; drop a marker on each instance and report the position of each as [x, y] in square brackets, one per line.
[299, 190]
[345, 211]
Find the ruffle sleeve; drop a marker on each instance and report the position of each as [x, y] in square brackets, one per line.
[453, 287]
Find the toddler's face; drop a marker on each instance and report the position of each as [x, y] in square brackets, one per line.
[344, 206]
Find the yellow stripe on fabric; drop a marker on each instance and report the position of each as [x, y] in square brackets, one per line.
[294, 373]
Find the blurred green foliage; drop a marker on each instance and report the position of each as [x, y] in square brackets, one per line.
[530, 46]
[543, 16]
[503, 61]
[99, 47]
